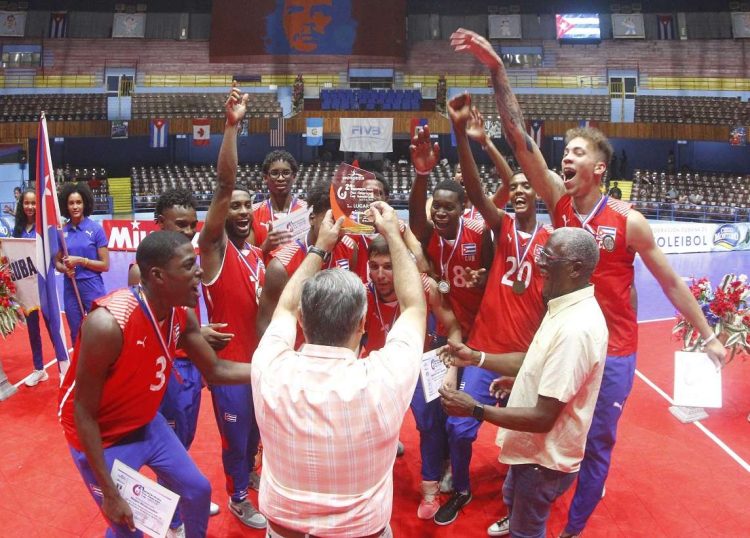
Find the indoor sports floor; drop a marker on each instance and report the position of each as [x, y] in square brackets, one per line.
[668, 479]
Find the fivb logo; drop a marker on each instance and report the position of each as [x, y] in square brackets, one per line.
[366, 130]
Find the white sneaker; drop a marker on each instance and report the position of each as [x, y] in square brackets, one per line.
[213, 509]
[35, 377]
[500, 527]
[179, 532]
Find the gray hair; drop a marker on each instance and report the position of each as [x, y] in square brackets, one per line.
[333, 304]
[580, 245]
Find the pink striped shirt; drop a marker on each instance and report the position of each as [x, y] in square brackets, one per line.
[330, 426]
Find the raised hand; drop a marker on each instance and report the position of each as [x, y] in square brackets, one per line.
[236, 105]
[463, 40]
[386, 219]
[475, 127]
[424, 154]
[328, 235]
[459, 111]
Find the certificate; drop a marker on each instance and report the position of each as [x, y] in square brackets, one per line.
[296, 223]
[153, 505]
[697, 383]
[432, 371]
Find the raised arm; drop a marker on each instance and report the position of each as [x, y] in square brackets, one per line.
[459, 110]
[406, 280]
[212, 239]
[641, 240]
[424, 157]
[475, 130]
[101, 344]
[527, 153]
[276, 280]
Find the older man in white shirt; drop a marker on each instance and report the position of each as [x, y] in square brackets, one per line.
[552, 401]
[329, 421]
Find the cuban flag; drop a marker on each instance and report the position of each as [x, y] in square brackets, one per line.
[577, 26]
[58, 24]
[314, 128]
[535, 128]
[469, 251]
[48, 236]
[159, 133]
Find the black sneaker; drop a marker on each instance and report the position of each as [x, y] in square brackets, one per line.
[448, 513]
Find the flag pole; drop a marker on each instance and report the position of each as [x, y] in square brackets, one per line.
[58, 227]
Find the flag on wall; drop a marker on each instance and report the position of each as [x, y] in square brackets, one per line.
[588, 123]
[159, 133]
[201, 132]
[666, 26]
[48, 234]
[314, 131]
[277, 131]
[535, 128]
[58, 24]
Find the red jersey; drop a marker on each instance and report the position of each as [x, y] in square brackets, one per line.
[613, 275]
[263, 212]
[473, 213]
[381, 316]
[232, 298]
[293, 254]
[451, 260]
[508, 321]
[136, 382]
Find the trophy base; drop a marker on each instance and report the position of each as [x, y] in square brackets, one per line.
[686, 415]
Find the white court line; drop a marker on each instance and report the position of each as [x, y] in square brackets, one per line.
[697, 424]
[670, 318]
[50, 363]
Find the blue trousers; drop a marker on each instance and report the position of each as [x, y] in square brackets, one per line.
[90, 289]
[156, 446]
[617, 382]
[529, 491]
[433, 440]
[240, 436]
[180, 406]
[462, 431]
[35, 340]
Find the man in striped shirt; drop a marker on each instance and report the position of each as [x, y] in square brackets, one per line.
[329, 421]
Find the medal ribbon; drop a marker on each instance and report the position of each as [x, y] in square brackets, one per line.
[444, 266]
[253, 272]
[380, 314]
[270, 207]
[593, 213]
[521, 257]
[137, 292]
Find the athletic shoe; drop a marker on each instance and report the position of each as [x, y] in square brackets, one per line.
[400, 450]
[430, 503]
[213, 509]
[254, 481]
[500, 528]
[35, 377]
[179, 532]
[446, 482]
[247, 513]
[449, 511]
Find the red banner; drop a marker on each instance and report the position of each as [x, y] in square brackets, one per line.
[126, 235]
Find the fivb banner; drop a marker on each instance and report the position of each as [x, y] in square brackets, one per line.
[369, 135]
[126, 235]
[21, 254]
[686, 237]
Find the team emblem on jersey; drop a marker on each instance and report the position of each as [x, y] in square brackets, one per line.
[343, 263]
[469, 251]
[229, 417]
[537, 251]
[605, 237]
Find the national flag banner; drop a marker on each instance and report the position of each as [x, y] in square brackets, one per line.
[201, 132]
[12, 23]
[58, 24]
[588, 123]
[159, 133]
[577, 26]
[666, 27]
[277, 132]
[314, 128]
[48, 235]
[415, 123]
[535, 128]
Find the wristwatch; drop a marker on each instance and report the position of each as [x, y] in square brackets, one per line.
[320, 252]
[478, 412]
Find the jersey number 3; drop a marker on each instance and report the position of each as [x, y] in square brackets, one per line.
[161, 366]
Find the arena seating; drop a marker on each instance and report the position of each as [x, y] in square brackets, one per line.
[64, 107]
[192, 105]
[96, 179]
[347, 99]
[551, 107]
[703, 110]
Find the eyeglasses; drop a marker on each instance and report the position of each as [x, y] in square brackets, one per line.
[280, 173]
[544, 256]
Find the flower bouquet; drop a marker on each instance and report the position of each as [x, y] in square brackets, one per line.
[10, 310]
[727, 311]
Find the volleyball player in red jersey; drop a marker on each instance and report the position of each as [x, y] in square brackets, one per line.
[286, 259]
[454, 244]
[382, 312]
[233, 276]
[279, 170]
[621, 232]
[120, 367]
